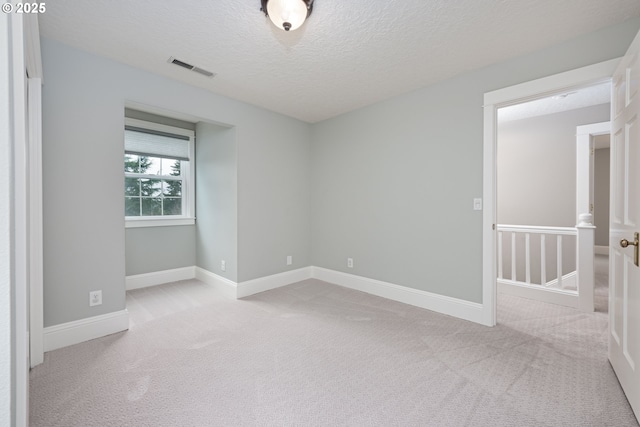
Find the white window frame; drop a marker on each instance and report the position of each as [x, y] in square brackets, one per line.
[188, 183]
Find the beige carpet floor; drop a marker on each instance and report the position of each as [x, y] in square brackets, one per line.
[317, 354]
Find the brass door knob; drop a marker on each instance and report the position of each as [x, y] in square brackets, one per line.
[636, 244]
[624, 243]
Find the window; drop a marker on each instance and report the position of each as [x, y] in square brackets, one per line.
[158, 174]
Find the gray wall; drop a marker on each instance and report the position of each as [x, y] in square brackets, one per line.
[84, 236]
[536, 180]
[273, 198]
[216, 199]
[149, 249]
[536, 167]
[601, 196]
[7, 385]
[393, 183]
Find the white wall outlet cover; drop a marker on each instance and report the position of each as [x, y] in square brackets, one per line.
[477, 204]
[289, 259]
[350, 262]
[223, 265]
[95, 298]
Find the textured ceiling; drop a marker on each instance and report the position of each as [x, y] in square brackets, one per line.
[347, 55]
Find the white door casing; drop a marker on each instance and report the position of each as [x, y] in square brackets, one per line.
[33, 66]
[547, 86]
[21, 224]
[624, 274]
[585, 164]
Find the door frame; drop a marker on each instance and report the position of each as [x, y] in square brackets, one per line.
[20, 209]
[584, 164]
[33, 66]
[528, 91]
[26, 125]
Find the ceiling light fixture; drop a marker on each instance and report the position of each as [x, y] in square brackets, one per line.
[287, 14]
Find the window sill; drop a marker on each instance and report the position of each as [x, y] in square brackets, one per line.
[157, 222]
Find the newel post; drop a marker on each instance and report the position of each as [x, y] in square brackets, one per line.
[584, 261]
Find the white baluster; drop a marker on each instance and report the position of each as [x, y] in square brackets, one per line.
[513, 256]
[527, 239]
[543, 260]
[559, 240]
[500, 255]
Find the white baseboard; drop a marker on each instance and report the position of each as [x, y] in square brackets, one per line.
[442, 304]
[78, 331]
[439, 303]
[601, 250]
[222, 284]
[250, 287]
[145, 280]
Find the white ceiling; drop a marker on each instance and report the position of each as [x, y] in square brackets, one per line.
[579, 98]
[347, 55]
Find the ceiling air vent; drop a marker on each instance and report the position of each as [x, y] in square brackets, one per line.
[203, 72]
[183, 64]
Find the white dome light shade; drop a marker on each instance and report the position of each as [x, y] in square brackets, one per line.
[287, 14]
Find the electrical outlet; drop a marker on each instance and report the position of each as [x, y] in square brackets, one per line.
[95, 298]
[289, 259]
[350, 262]
[223, 265]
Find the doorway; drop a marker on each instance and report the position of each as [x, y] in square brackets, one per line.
[539, 166]
[493, 101]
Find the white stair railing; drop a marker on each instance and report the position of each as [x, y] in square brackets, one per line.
[527, 231]
[574, 289]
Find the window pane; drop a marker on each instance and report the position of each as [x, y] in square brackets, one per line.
[154, 185]
[131, 163]
[131, 187]
[153, 167]
[172, 188]
[172, 206]
[150, 187]
[132, 206]
[145, 163]
[151, 207]
[171, 167]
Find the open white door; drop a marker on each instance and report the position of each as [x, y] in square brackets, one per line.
[624, 272]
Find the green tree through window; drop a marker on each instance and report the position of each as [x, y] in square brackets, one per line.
[158, 174]
[146, 192]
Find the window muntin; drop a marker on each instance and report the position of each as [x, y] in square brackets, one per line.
[152, 186]
[158, 178]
